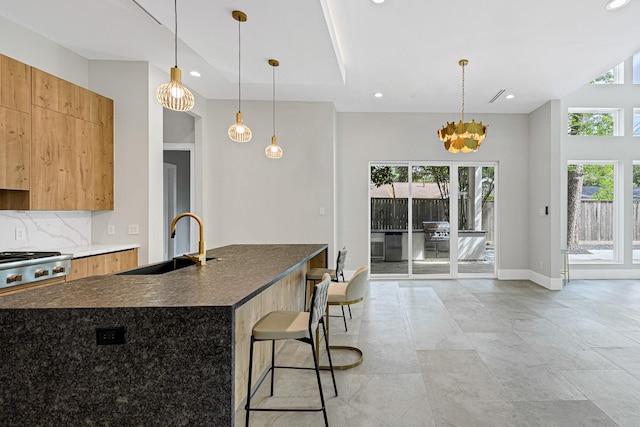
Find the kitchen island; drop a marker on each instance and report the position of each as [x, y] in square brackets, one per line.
[177, 343]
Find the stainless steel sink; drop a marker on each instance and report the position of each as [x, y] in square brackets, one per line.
[161, 267]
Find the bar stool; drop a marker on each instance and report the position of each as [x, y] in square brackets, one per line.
[315, 274]
[281, 325]
[348, 293]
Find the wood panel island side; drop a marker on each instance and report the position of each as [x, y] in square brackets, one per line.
[186, 340]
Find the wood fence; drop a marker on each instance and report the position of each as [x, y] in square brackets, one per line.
[596, 219]
[393, 214]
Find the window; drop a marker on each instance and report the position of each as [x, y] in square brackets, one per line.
[636, 122]
[636, 69]
[595, 122]
[591, 212]
[636, 212]
[614, 76]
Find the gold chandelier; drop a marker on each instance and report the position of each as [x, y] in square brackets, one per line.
[174, 95]
[274, 151]
[465, 137]
[239, 132]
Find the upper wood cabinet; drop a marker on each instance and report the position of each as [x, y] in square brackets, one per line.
[56, 142]
[15, 145]
[15, 84]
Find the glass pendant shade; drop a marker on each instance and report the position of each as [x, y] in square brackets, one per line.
[273, 151]
[174, 95]
[239, 132]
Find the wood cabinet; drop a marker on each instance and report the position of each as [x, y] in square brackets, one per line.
[15, 145]
[15, 133]
[56, 142]
[98, 265]
[15, 84]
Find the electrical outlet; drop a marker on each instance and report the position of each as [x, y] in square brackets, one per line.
[541, 265]
[110, 336]
[21, 233]
[111, 230]
[134, 229]
[321, 211]
[348, 261]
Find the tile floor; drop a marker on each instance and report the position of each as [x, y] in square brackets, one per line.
[476, 352]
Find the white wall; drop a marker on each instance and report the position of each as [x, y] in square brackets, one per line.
[622, 149]
[365, 137]
[253, 199]
[31, 48]
[544, 191]
[129, 91]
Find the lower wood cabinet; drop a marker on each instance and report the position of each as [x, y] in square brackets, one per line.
[98, 265]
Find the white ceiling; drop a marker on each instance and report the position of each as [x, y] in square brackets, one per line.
[342, 51]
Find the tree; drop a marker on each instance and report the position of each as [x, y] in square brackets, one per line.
[381, 175]
[590, 124]
[575, 179]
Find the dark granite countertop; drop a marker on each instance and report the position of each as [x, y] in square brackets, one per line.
[241, 272]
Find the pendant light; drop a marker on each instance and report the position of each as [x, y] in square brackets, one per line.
[274, 151]
[239, 132]
[173, 95]
[465, 137]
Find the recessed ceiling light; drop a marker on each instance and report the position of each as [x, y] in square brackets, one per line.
[195, 73]
[382, 1]
[378, 95]
[510, 96]
[616, 4]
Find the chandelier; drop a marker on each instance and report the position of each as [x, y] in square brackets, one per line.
[465, 137]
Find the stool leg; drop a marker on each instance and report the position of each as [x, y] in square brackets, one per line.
[273, 363]
[248, 405]
[326, 342]
[350, 316]
[344, 318]
[315, 363]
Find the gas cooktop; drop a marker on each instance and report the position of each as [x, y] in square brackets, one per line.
[17, 268]
[20, 256]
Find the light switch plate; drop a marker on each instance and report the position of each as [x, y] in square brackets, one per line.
[134, 229]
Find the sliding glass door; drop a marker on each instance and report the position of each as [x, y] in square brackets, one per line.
[411, 219]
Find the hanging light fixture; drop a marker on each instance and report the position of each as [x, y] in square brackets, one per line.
[239, 132]
[274, 151]
[173, 95]
[465, 137]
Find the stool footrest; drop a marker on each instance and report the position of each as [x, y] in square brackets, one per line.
[348, 366]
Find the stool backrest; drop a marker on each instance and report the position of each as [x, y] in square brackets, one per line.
[357, 284]
[340, 263]
[319, 302]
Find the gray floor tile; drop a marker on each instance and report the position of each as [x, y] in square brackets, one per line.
[476, 352]
[573, 413]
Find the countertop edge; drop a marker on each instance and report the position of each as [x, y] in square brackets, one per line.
[90, 250]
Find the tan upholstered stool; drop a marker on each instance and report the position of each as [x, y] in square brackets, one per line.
[315, 274]
[283, 325]
[348, 293]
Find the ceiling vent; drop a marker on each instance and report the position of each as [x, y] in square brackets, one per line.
[496, 96]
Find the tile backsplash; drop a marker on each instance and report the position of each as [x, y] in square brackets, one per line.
[42, 230]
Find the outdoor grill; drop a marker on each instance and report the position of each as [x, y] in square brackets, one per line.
[436, 236]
